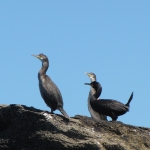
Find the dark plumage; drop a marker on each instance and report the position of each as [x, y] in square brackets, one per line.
[95, 115]
[108, 107]
[48, 89]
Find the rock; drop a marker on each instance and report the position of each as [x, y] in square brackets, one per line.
[28, 128]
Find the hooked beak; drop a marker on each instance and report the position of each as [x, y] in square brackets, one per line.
[87, 74]
[37, 56]
[87, 84]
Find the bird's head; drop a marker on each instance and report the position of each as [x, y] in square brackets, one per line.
[41, 57]
[92, 76]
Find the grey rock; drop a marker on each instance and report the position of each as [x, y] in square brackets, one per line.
[28, 128]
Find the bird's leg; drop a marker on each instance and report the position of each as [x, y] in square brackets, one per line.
[114, 117]
[52, 111]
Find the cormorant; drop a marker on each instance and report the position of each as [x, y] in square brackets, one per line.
[108, 107]
[95, 115]
[48, 89]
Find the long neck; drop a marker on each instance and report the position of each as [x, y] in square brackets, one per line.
[97, 89]
[93, 98]
[93, 79]
[44, 68]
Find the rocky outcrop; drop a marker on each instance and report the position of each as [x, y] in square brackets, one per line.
[27, 128]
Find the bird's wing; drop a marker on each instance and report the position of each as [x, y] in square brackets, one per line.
[48, 93]
[55, 92]
[112, 105]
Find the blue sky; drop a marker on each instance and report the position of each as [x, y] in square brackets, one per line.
[109, 38]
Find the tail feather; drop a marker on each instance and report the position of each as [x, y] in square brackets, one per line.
[63, 112]
[131, 97]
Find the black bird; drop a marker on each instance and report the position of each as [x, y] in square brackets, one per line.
[108, 107]
[48, 89]
[95, 115]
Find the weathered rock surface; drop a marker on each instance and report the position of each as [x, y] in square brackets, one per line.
[27, 128]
